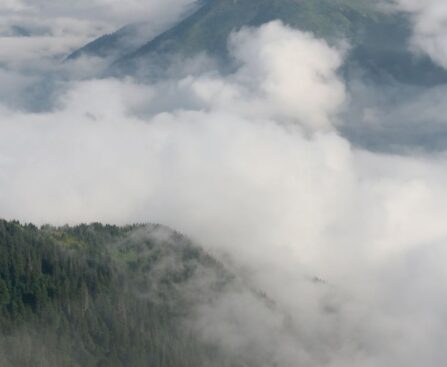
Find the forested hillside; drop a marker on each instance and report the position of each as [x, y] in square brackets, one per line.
[96, 295]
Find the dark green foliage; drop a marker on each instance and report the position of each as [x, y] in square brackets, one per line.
[96, 295]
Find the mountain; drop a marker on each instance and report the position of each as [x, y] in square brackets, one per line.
[379, 38]
[129, 38]
[96, 295]
[117, 44]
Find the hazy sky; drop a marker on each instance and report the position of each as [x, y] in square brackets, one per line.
[250, 165]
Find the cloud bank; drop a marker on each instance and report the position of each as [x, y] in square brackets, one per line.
[430, 27]
[347, 244]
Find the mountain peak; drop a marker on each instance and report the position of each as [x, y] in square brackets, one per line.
[363, 24]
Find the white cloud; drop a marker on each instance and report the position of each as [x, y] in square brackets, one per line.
[430, 27]
[294, 71]
[250, 166]
[286, 75]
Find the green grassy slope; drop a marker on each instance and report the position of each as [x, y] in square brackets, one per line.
[208, 29]
[379, 39]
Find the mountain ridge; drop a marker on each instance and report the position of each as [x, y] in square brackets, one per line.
[379, 39]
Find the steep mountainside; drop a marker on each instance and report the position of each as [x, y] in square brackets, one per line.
[115, 45]
[379, 39]
[129, 38]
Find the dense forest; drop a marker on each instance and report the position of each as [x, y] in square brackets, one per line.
[99, 295]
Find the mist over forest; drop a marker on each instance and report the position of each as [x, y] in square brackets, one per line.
[219, 183]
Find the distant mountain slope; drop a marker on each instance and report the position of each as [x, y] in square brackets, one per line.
[379, 39]
[209, 27]
[129, 38]
[115, 45]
